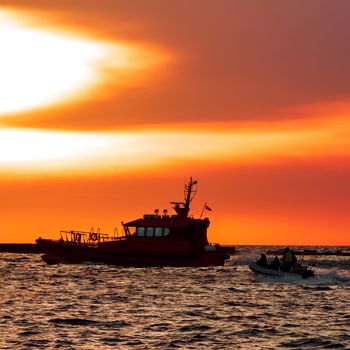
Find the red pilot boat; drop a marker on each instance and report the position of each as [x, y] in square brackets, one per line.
[154, 240]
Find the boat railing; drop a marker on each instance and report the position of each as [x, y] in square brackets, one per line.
[83, 237]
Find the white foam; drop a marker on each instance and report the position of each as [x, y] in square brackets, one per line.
[333, 275]
[324, 276]
[246, 259]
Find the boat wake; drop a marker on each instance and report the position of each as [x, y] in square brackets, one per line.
[244, 259]
[333, 275]
[322, 277]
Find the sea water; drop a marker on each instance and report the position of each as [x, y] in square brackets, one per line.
[100, 307]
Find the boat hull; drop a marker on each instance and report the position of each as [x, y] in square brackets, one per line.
[277, 273]
[63, 252]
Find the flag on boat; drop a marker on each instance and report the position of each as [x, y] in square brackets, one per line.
[207, 208]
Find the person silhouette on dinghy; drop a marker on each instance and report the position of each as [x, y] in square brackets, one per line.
[262, 261]
[288, 260]
[275, 264]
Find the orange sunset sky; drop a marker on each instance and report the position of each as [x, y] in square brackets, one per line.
[106, 107]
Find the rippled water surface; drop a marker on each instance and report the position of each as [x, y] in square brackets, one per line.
[101, 307]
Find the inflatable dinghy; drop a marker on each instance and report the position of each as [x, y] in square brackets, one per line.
[303, 272]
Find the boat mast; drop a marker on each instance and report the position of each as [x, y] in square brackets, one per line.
[182, 209]
[189, 194]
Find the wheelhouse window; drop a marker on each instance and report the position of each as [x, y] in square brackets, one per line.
[149, 231]
[158, 232]
[140, 231]
[166, 231]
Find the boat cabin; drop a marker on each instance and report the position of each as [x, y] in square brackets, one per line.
[177, 227]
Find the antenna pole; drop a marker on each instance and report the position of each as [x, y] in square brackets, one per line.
[188, 194]
[203, 210]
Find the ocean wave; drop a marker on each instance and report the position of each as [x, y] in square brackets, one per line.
[100, 306]
[314, 343]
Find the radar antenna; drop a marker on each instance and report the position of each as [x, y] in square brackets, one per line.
[182, 208]
[189, 193]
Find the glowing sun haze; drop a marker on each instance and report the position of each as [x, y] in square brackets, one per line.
[39, 67]
[105, 108]
[115, 152]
